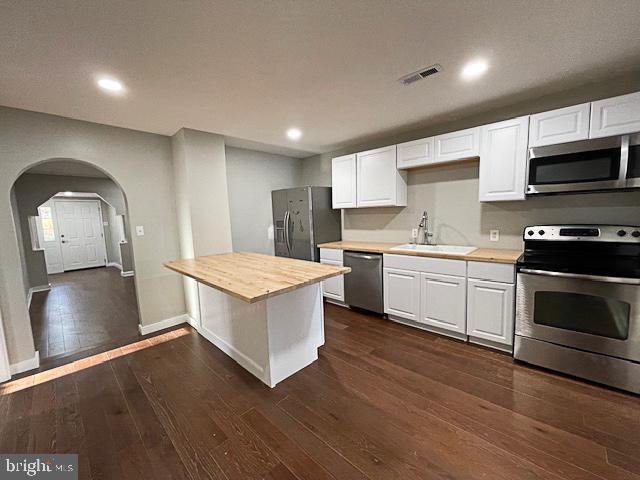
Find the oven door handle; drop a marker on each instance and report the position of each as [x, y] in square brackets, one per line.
[580, 276]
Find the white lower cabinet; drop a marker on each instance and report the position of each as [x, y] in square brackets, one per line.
[464, 299]
[332, 288]
[490, 311]
[443, 301]
[402, 293]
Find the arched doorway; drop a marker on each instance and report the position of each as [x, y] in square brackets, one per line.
[86, 301]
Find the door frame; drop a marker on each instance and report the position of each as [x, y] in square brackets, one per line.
[104, 245]
[5, 366]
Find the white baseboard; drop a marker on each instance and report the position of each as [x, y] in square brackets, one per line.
[114, 264]
[128, 273]
[192, 321]
[32, 290]
[25, 365]
[162, 324]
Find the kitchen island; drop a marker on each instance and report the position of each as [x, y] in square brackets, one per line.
[264, 312]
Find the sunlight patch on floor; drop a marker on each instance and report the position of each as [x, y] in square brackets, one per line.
[48, 375]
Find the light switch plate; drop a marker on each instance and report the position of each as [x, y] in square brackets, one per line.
[494, 235]
[414, 233]
[140, 230]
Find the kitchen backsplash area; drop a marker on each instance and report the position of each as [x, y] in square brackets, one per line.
[450, 196]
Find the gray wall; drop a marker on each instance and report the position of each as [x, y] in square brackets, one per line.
[450, 193]
[251, 176]
[140, 163]
[32, 190]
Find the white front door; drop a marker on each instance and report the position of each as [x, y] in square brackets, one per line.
[48, 237]
[81, 238]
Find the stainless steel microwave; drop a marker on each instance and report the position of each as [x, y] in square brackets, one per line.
[603, 164]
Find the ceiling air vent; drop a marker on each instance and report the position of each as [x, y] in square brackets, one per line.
[420, 74]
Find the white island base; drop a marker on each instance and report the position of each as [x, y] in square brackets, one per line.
[272, 338]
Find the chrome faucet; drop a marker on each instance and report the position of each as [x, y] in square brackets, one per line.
[424, 227]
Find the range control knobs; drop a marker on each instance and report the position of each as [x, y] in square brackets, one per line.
[621, 233]
[530, 232]
[540, 232]
[635, 234]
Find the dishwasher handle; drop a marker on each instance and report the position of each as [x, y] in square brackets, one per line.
[361, 256]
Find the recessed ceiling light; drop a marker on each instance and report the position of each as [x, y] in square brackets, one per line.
[110, 85]
[294, 134]
[474, 69]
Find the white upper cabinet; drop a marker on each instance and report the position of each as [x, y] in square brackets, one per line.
[457, 145]
[503, 160]
[379, 183]
[343, 181]
[569, 124]
[615, 116]
[416, 153]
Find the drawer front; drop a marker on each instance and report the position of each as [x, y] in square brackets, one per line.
[331, 254]
[497, 272]
[333, 287]
[443, 266]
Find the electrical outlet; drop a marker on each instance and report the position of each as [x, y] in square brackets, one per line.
[270, 232]
[140, 230]
[414, 233]
[494, 235]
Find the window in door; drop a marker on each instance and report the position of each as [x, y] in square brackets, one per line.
[46, 220]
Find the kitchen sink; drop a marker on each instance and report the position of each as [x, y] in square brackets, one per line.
[448, 249]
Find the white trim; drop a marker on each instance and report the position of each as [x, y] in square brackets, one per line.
[26, 365]
[192, 321]
[429, 328]
[32, 290]
[114, 264]
[166, 323]
[128, 273]
[489, 344]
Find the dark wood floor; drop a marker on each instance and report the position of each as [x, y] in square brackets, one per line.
[84, 311]
[383, 402]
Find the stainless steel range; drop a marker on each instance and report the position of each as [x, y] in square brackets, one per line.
[578, 302]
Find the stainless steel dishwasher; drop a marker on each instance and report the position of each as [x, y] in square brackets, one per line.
[363, 286]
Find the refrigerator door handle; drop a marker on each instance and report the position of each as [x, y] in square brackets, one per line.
[286, 231]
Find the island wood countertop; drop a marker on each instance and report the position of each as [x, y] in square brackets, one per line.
[252, 276]
[494, 255]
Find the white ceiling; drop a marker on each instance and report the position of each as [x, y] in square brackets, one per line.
[252, 69]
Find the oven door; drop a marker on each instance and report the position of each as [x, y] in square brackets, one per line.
[590, 313]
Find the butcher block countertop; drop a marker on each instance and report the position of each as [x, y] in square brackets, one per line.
[253, 277]
[494, 255]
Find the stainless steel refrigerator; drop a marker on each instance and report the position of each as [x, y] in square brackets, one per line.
[303, 218]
